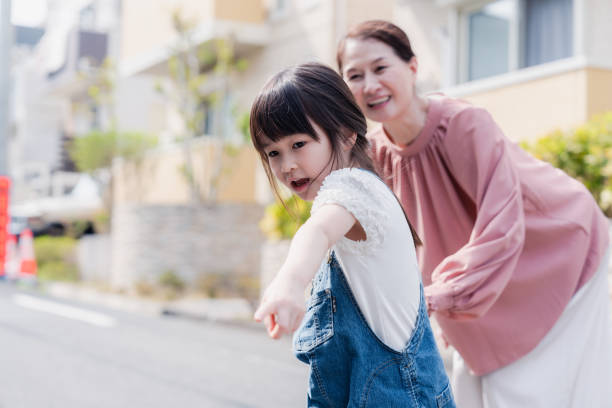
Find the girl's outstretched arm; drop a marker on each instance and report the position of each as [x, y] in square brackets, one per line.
[282, 306]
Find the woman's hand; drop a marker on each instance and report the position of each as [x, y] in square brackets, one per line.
[282, 307]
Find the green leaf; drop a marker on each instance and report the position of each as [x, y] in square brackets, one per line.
[584, 153]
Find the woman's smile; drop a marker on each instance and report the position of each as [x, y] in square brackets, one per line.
[378, 103]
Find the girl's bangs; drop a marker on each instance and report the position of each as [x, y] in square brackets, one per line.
[278, 113]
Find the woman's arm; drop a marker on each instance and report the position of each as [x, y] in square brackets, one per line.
[282, 306]
[466, 283]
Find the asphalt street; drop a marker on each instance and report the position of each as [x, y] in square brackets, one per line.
[56, 353]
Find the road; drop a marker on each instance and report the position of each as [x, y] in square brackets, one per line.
[64, 354]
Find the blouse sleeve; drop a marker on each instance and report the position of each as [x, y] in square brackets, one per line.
[466, 283]
[358, 191]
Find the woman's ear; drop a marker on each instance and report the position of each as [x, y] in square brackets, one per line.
[413, 64]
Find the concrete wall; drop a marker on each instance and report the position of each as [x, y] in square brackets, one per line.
[94, 258]
[596, 30]
[150, 240]
[599, 89]
[147, 25]
[424, 24]
[531, 109]
[250, 11]
[159, 177]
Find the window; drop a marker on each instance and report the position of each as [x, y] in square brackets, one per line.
[489, 39]
[548, 31]
[504, 35]
[279, 9]
[87, 18]
[205, 120]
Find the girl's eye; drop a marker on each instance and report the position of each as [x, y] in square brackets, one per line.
[354, 77]
[272, 153]
[297, 145]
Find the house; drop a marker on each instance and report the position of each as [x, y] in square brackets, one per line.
[535, 65]
[51, 107]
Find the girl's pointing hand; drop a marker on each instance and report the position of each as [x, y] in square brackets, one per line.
[282, 307]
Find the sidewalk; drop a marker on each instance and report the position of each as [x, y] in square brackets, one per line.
[233, 310]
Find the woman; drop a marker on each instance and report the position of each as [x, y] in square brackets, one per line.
[515, 252]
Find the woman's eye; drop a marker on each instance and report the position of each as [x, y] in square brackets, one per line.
[354, 77]
[380, 68]
[297, 145]
[272, 153]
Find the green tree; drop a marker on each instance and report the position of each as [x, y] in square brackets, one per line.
[94, 151]
[193, 67]
[584, 153]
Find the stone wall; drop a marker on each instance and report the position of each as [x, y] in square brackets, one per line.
[150, 240]
[273, 254]
[93, 254]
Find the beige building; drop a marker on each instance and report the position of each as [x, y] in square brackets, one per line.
[535, 65]
[270, 35]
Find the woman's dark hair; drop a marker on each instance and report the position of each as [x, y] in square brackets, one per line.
[304, 94]
[382, 31]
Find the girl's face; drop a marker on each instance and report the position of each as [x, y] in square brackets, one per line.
[300, 162]
[382, 83]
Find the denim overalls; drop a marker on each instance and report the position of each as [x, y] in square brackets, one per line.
[351, 367]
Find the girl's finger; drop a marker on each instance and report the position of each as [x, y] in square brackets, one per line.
[262, 311]
[275, 331]
[269, 322]
[282, 319]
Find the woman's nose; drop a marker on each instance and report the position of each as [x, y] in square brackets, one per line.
[371, 84]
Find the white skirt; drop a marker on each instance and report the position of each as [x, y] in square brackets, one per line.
[571, 367]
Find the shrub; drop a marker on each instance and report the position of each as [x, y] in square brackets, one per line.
[584, 153]
[282, 223]
[170, 280]
[56, 258]
[224, 284]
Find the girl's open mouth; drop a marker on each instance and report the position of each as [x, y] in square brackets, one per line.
[300, 184]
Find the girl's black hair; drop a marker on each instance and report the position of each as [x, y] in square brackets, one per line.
[304, 94]
[309, 92]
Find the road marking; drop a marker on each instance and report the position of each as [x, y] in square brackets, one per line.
[70, 312]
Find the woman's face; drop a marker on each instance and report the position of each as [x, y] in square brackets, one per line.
[382, 83]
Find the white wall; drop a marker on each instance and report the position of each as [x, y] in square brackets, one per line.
[597, 31]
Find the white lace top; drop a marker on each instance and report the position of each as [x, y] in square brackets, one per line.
[382, 270]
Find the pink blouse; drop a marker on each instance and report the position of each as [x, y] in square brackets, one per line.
[508, 239]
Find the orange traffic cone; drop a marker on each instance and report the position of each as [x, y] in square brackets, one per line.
[11, 262]
[27, 267]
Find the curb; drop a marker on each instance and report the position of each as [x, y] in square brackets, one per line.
[234, 311]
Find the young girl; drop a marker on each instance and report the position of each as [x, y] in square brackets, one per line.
[365, 332]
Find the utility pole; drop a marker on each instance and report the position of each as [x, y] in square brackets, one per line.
[6, 42]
